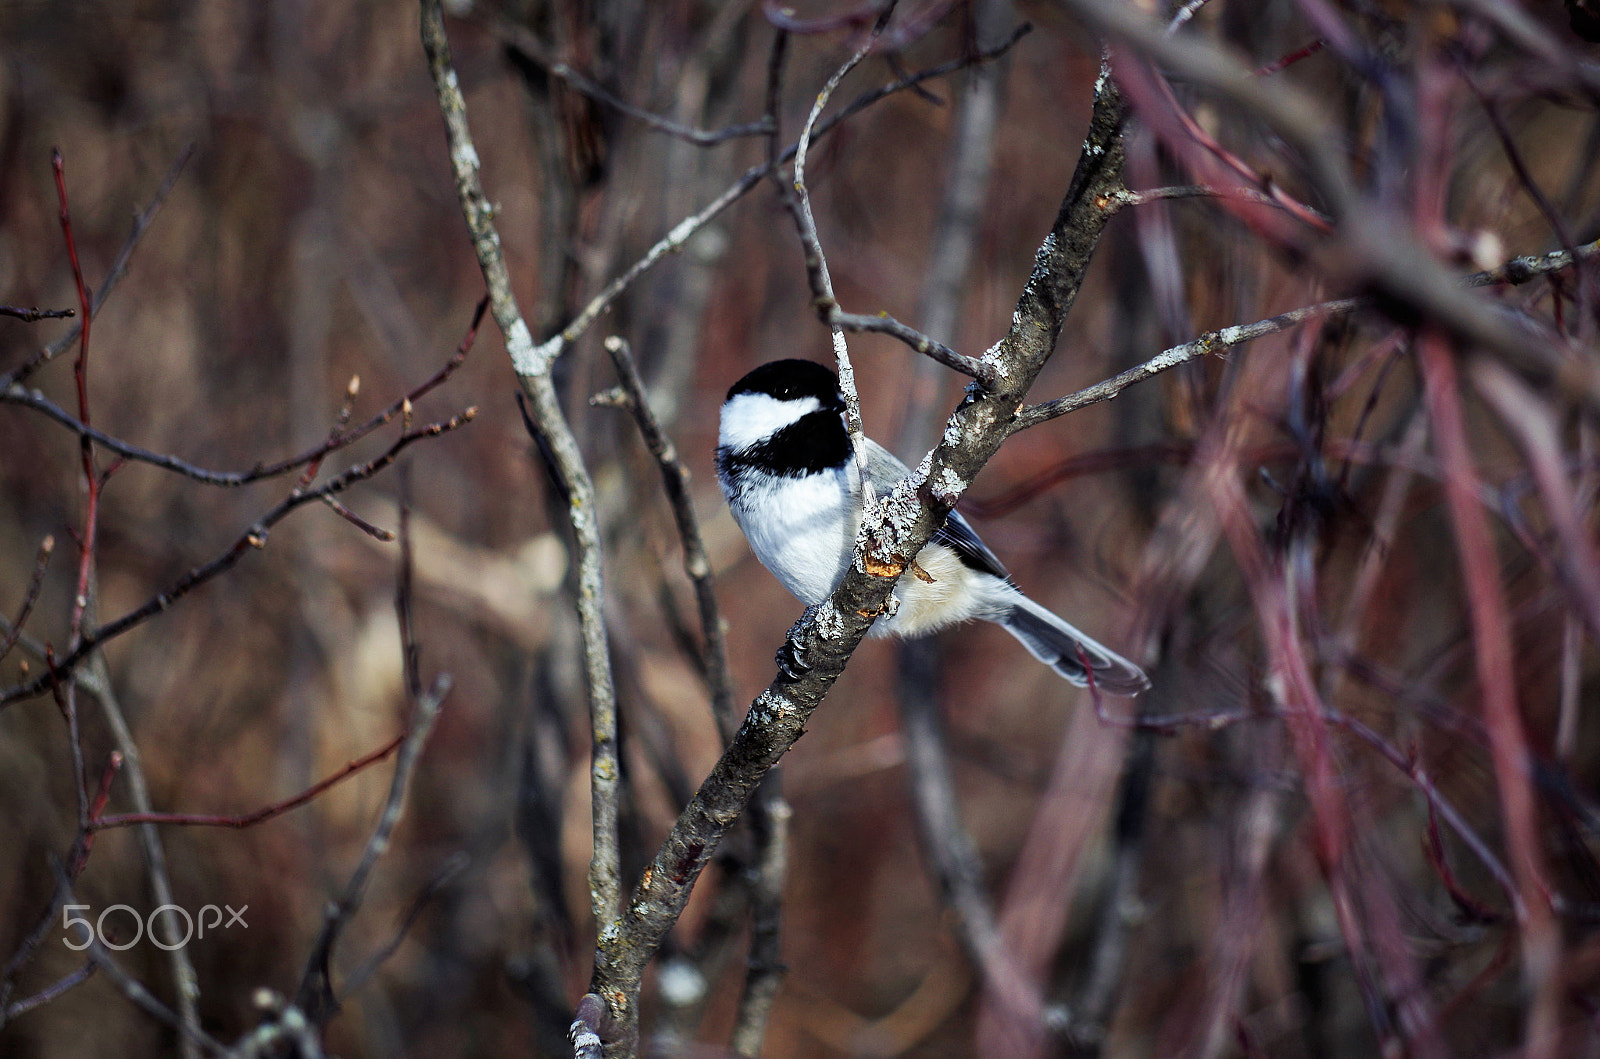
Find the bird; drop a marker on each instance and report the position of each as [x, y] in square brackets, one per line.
[790, 474]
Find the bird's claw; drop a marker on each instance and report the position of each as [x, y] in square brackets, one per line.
[791, 666]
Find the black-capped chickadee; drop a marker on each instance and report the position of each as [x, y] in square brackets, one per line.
[791, 478]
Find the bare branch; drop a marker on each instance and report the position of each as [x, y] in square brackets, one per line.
[316, 996]
[543, 415]
[675, 478]
[119, 266]
[254, 537]
[29, 598]
[337, 438]
[532, 48]
[1516, 271]
[34, 315]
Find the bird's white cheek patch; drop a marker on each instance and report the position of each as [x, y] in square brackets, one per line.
[751, 418]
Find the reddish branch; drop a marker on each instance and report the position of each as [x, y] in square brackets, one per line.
[253, 537]
[92, 479]
[337, 438]
[85, 641]
[1494, 659]
[103, 823]
[119, 266]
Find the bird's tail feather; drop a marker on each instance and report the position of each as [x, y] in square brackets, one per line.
[1068, 651]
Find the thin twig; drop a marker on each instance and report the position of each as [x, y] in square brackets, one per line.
[1268, 188]
[953, 857]
[76, 859]
[375, 532]
[1537, 431]
[254, 537]
[192, 1035]
[119, 266]
[765, 969]
[186, 982]
[101, 959]
[1211, 342]
[1493, 660]
[797, 199]
[50, 992]
[680, 234]
[67, 703]
[1197, 191]
[454, 865]
[523, 41]
[128, 760]
[1516, 271]
[675, 478]
[29, 598]
[34, 315]
[93, 482]
[316, 993]
[350, 768]
[883, 323]
[337, 439]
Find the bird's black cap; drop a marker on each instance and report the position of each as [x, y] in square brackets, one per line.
[792, 379]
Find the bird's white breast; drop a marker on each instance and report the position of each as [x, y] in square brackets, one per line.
[802, 529]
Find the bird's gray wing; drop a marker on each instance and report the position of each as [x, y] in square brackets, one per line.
[885, 469]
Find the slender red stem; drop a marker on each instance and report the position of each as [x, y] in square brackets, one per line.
[80, 373]
[264, 813]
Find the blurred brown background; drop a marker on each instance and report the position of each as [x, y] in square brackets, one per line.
[314, 235]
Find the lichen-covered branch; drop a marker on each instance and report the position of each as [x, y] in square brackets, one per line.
[549, 425]
[830, 632]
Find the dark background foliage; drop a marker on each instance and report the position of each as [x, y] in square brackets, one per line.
[1205, 907]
